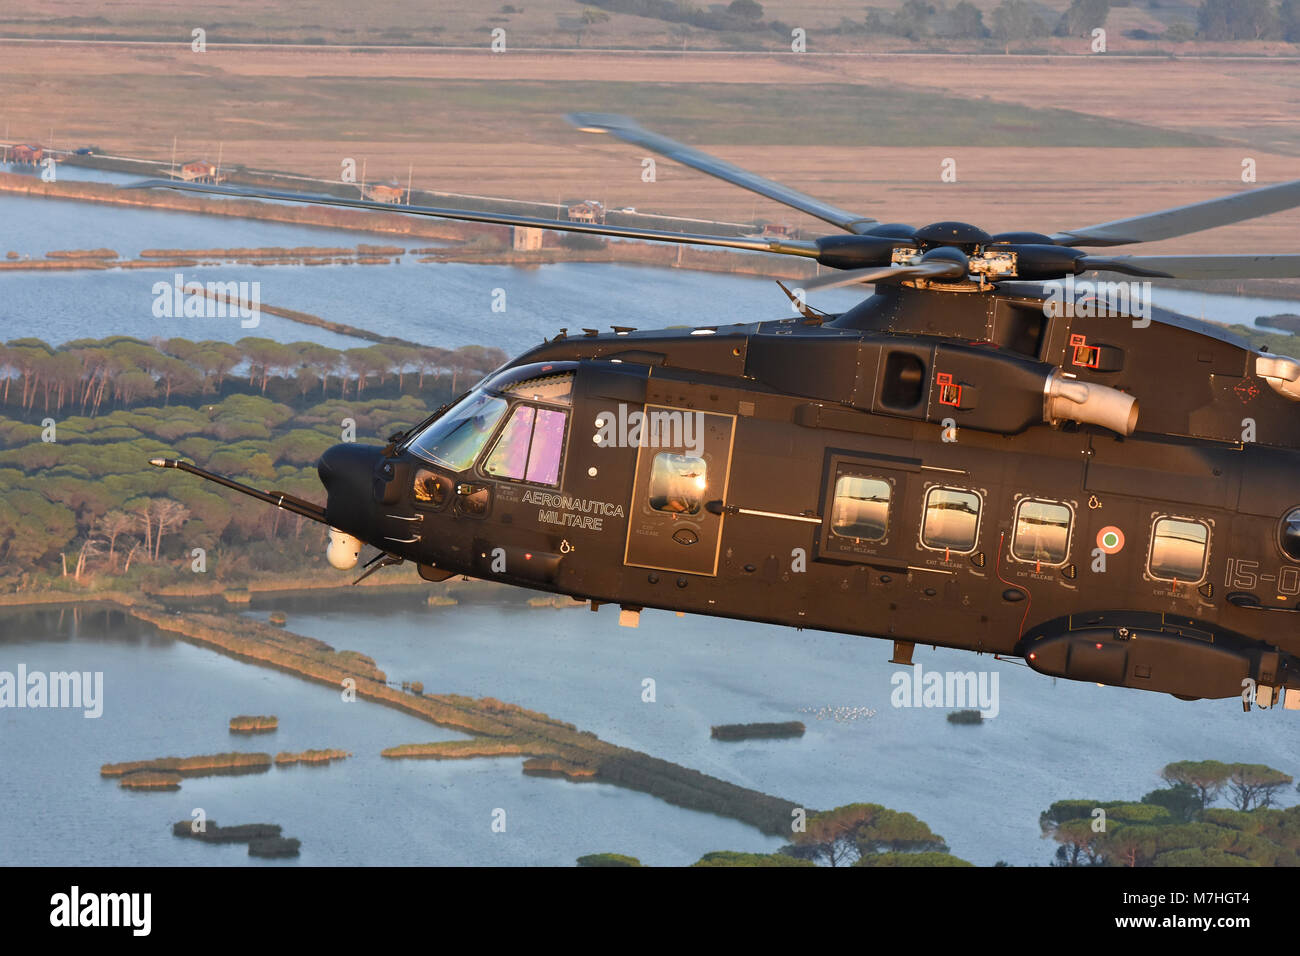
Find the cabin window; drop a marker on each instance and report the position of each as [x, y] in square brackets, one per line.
[861, 508]
[1179, 547]
[1042, 532]
[1291, 534]
[530, 446]
[455, 439]
[678, 483]
[952, 520]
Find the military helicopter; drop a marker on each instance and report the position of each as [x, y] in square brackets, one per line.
[969, 458]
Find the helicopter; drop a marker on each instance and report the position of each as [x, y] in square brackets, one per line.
[983, 454]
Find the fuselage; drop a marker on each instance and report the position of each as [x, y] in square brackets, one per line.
[703, 473]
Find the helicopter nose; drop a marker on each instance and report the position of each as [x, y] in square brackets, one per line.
[347, 471]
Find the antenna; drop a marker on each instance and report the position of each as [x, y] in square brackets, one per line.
[173, 170]
[362, 186]
[409, 170]
[216, 176]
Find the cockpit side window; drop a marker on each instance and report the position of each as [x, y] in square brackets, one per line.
[455, 439]
[548, 447]
[510, 455]
[530, 447]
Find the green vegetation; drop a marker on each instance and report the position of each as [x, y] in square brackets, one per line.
[274, 847]
[731, 858]
[79, 505]
[1286, 321]
[246, 724]
[745, 114]
[315, 757]
[1178, 826]
[151, 780]
[206, 765]
[1018, 20]
[263, 839]
[1250, 786]
[1248, 20]
[739, 15]
[212, 832]
[791, 728]
[859, 834]
[608, 859]
[925, 858]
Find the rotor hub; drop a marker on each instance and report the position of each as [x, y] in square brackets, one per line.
[960, 235]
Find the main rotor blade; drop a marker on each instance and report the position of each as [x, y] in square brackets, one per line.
[787, 247]
[1181, 220]
[1197, 267]
[936, 269]
[630, 131]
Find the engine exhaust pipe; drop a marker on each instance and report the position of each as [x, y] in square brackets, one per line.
[1068, 399]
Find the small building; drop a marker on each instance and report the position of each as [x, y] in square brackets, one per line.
[779, 230]
[383, 192]
[198, 171]
[526, 239]
[27, 154]
[587, 211]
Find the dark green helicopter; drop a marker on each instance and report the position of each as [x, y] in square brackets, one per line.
[985, 454]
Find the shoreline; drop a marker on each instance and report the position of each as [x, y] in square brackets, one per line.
[237, 594]
[628, 252]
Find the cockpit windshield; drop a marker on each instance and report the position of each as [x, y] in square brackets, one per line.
[455, 439]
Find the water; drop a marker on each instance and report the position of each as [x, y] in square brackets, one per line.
[66, 172]
[444, 304]
[1233, 309]
[981, 787]
[168, 698]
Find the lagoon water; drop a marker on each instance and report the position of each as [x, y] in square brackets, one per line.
[444, 304]
[981, 787]
[168, 698]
